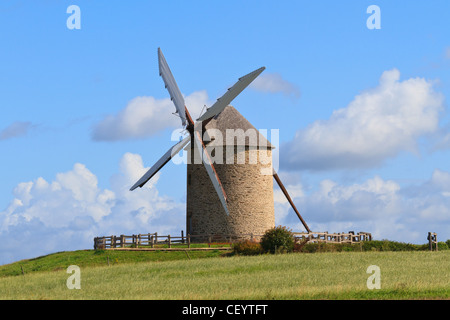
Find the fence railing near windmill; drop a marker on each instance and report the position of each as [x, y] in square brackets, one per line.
[325, 237]
[153, 240]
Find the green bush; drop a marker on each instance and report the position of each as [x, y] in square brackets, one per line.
[386, 245]
[373, 245]
[278, 240]
[442, 246]
[328, 247]
[448, 243]
[247, 247]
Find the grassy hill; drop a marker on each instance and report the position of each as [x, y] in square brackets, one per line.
[91, 258]
[174, 275]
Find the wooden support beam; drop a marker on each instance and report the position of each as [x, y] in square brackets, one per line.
[277, 179]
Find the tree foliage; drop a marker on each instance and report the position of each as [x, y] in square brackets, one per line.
[278, 239]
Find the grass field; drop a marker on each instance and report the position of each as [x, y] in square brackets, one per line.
[172, 275]
[90, 258]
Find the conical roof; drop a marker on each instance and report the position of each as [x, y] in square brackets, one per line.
[235, 130]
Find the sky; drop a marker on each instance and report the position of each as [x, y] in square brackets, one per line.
[359, 98]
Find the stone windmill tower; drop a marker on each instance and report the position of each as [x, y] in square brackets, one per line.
[243, 162]
[229, 174]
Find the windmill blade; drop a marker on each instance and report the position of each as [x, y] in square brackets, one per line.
[161, 162]
[198, 143]
[171, 86]
[232, 93]
[280, 184]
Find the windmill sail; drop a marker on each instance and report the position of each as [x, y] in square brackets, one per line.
[172, 87]
[232, 93]
[198, 143]
[161, 162]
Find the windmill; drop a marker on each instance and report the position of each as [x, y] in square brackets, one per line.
[249, 209]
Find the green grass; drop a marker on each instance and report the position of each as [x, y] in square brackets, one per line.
[337, 275]
[192, 245]
[91, 258]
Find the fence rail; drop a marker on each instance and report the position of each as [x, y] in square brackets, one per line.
[153, 240]
[325, 237]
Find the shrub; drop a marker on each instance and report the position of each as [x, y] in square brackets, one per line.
[247, 247]
[373, 245]
[442, 246]
[386, 245]
[448, 243]
[423, 247]
[328, 247]
[277, 240]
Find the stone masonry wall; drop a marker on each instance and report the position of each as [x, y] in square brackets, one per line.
[250, 196]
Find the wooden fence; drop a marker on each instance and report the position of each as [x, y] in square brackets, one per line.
[153, 240]
[325, 237]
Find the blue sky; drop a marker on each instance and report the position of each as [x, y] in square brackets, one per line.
[362, 114]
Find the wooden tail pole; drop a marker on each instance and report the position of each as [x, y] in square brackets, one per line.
[277, 179]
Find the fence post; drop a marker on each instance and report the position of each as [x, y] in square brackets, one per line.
[122, 240]
[182, 237]
[168, 237]
[432, 238]
[430, 243]
[209, 241]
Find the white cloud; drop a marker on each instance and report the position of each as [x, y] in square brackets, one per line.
[16, 129]
[274, 83]
[72, 195]
[378, 124]
[144, 117]
[67, 213]
[378, 206]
